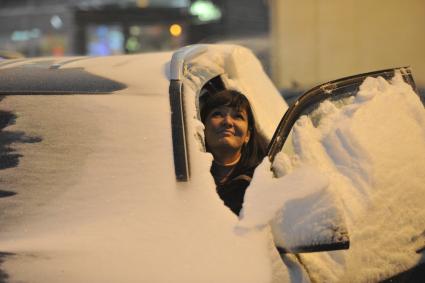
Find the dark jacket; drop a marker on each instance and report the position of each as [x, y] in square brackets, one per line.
[232, 192]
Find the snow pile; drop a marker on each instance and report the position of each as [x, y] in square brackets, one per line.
[371, 149]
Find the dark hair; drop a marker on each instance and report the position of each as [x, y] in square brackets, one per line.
[254, 151]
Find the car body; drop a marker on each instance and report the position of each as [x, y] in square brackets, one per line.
[101, 199]
[92, 186]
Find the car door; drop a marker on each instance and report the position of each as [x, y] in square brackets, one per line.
[355, 132]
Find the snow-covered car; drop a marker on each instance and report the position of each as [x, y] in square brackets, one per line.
[105, 178]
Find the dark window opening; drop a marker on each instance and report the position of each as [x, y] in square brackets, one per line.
[44, 78]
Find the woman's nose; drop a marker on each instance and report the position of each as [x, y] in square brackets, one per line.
[227, 120]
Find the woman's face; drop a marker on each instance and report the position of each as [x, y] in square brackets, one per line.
[226, 130]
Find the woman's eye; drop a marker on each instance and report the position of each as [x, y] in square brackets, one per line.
[239, 116]
[217, 114]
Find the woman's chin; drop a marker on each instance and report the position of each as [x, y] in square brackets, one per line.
[227, 144]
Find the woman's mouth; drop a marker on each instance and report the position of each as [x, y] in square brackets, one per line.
[226, 133]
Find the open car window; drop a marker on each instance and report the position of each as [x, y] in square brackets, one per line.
[195, 69]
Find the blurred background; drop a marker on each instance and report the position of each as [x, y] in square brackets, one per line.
[300, 43]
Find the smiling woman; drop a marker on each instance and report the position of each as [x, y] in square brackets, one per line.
[234, 142]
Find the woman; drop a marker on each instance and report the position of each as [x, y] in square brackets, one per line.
[234, 142]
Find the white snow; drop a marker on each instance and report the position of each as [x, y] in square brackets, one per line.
[268, 194]
[98, 202]
[368, 155]
[97, 198]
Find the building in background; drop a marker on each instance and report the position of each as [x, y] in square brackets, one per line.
[105, 27]
[111, 29]
[35, 28]
[97, 27]
[316, 41]
[241, 22]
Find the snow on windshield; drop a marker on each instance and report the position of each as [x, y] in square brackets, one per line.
[367, 152]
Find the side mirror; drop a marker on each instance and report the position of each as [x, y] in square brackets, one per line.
[312, 224]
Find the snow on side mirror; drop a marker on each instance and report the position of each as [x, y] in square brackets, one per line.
[304, 215]
[310, 218]
[304, 231]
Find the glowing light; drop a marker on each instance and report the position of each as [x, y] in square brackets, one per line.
[142, 3]
[135, 30]
[175, 30]
[132, 44]
[24, 35]
[56, 22]
[205, 10]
